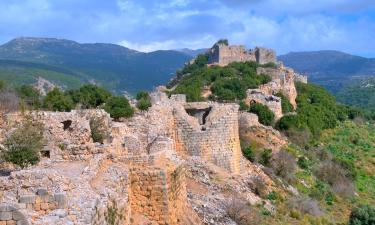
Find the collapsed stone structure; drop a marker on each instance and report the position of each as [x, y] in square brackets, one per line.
[141, 166]
[221, 54]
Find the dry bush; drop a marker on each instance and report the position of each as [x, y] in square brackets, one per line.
[241, 212]
[300, 137]
[337, 177]
[259, 187]
[306, 206]
[9, 102]
[284, 165]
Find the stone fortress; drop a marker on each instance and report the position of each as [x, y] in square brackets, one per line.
[222, 55]
[172, 164]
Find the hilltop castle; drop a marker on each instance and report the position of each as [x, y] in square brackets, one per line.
[222, 54]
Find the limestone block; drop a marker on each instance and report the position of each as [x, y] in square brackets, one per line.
[5, 215]
[23, 222]
[28, 199]
[42, 191]
[17, 215]
[11, 222]
[60, 198]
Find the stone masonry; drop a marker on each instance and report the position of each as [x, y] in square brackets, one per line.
[221, 54]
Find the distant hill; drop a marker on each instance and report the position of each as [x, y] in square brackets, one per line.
[69, 64]
[360, 94]
[331, 69]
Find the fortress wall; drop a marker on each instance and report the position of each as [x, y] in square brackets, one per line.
[159, 193]
[216, 141]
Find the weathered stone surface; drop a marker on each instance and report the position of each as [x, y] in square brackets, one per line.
[5, 216]
[27, 199]
[222, 55]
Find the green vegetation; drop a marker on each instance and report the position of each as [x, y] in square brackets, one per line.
[57, 100]
[285, 104]
[90, 96]
[143, 100]
[361, 94]
[30, 96]
[118, 107]
[227, 83]
[317, 110]
[265, 115]
[363, 215]
[22, 147]
[248, 153]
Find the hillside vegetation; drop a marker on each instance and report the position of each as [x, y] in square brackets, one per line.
[226, 83]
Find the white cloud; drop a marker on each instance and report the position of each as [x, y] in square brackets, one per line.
[202, 42]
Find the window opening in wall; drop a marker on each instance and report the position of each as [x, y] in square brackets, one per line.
[67, 124]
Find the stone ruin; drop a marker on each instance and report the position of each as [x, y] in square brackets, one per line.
[141, 166]
[222, 55]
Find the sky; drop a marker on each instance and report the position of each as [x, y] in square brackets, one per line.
[148, 25]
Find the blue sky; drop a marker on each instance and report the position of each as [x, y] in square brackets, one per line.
[146, 25]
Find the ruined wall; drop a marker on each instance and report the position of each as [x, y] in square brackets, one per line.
[271, 101]
[222, 55]
[159, 193]
[282, 81]
[12, 215]
[216, 140]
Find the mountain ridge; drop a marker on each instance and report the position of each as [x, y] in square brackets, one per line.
[113, 66]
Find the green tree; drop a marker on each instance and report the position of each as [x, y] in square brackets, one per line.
[24, 144]
[144, 100]
[90, 96]
[363, 215]
[57, 100]
[285, 104]
[118, 107]
[265, 115]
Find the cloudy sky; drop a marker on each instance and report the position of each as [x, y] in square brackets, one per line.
[146, 25]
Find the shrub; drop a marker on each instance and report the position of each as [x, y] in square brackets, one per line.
[98, 129]
[265, 115]
[337, 177]
[248, 153]
[118, 107]
[265, 157]
[30, 96]
[362, 215]
[24, 144]
[303, 162]
[285, 104]
[306, 206]
[90, 96]
[241, 212]
[9, 102]
[144, 100]
[57, 100]
[284, 165]
[258, 186]
[301, 137]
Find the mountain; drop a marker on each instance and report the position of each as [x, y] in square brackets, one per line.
[69, 63]
[192, 52]
[331, 69]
